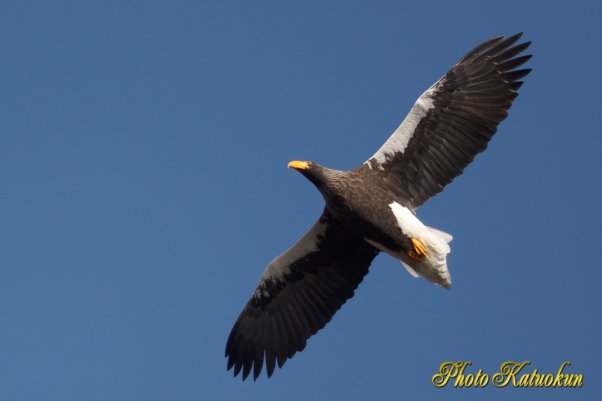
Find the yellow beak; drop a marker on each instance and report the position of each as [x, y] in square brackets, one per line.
[299, 165]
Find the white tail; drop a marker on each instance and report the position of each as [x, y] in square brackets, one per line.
[441, 234]
[433, 267]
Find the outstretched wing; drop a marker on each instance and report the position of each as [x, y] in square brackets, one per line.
[452, 121]
[297, 295]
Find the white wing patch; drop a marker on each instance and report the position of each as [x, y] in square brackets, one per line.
[399, 140]
[434, 266]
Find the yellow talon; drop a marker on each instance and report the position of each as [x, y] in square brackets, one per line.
[418, 250]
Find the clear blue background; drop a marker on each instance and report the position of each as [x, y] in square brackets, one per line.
[143, 188]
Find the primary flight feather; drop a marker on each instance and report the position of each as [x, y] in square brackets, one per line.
[373, 208]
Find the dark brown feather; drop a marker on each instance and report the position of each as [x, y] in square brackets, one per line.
[468, 104]
[285, 311]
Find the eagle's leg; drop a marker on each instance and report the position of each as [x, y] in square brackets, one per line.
[418, 250]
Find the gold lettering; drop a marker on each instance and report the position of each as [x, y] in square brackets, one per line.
[539, 381]
[523, 381]
[559, 375]
[548, 380]
[574, 380]
[481, 379]
[460, 377]
[532, 378]
[448, 370]
[508, 371]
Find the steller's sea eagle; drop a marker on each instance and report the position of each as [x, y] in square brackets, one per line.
[373, 208]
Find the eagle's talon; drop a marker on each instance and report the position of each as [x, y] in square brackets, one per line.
[418, 250]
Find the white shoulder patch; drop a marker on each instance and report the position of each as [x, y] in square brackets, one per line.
[399, 140]
[407, 221]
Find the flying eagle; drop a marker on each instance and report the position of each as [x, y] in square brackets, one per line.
[373, 208]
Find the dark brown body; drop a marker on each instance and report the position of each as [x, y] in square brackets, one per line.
[350, 196]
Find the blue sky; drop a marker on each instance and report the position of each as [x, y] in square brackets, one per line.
[144, 188]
